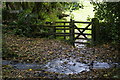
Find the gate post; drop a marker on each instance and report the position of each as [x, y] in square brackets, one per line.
[64, 32]
[54, 31]
[72, 31]
[95, 31]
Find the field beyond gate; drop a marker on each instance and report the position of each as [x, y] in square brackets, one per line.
[70, 31]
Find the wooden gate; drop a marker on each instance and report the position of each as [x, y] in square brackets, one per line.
[67, 29]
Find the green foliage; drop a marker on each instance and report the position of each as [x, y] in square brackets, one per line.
[37, 13]
[25, 19]
[107, 11]
[8, 16]
[72, 6]
[109, 15]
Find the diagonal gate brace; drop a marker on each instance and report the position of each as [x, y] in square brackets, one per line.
[81, 32]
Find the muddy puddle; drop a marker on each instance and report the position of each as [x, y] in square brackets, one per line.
[65, 66]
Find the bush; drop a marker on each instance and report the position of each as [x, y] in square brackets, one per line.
[109, 32]
[28, 25]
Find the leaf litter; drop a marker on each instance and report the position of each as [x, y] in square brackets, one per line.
[42, 51]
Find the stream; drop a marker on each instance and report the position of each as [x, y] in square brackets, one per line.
[65, 66]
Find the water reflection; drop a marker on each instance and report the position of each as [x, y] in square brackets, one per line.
[67, 66]
[78, 45]
[59, 65]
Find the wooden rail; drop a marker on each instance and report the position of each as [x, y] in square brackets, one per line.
[68, 28]
[71, 27]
